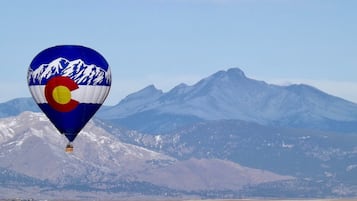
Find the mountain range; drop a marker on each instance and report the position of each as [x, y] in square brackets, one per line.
[231, 95]
[77, 70]
[227, 136]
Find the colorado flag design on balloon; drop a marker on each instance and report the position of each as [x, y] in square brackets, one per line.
[69, 83]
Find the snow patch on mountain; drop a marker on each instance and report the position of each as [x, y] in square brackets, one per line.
[31, 137]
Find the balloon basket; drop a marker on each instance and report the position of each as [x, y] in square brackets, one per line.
[69, 148]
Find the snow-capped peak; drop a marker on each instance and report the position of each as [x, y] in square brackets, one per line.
[78, 70]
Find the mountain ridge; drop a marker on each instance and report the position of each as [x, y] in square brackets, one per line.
[231, 95]
[226, 94]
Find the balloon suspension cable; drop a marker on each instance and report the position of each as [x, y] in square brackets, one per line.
[69, 148]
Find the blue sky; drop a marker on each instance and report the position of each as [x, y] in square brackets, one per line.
[167, 42]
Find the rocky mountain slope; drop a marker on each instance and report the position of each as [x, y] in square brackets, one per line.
[32, 155]
[326, 160]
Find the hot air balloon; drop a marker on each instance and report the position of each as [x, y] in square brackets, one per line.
[69, 83]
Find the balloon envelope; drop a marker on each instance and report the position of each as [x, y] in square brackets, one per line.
[69, 83]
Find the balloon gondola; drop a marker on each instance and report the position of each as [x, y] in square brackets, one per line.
[69, 148]
[69, 83]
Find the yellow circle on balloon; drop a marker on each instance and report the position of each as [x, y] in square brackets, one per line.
[61, 94]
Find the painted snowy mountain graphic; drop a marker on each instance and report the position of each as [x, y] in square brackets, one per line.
[77, 70]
